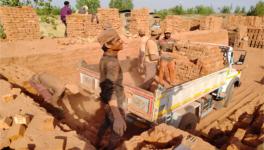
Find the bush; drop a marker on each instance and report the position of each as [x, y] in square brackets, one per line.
[2, 32]
[204, 10]
[14, 3]
[240, 10]
[91, 4]
[177, 10]
[226, 9]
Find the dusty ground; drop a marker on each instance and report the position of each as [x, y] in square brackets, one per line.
[61, 56]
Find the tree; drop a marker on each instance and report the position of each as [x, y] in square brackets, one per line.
[204, 10]
[121, 4]
[91, 4]
[258, 10]
[13, 3]
[226, 9]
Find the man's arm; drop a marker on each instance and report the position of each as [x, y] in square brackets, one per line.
[119, 125]
[153, 50]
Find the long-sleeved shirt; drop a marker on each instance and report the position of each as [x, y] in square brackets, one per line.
[65, 11]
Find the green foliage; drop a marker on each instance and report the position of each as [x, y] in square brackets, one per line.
[47, 12]
[121, 4]
[226, 9]
[14, 3]
[239, 10]
[2, 32]
[257, 10]
[179, 10]
[204, 10]
[91, 4]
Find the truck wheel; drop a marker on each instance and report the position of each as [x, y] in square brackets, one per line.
[229, 95]
[188, 122]
[225, 102]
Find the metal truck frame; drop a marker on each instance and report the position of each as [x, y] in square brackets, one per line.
[182, 105]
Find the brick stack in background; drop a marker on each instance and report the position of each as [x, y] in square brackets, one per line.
[110, 15]
[211, 23]
[237, 37]
[232, 22]
[176, 24]
[256, 37]
[20, 23]
[81, 25]
[139, 20]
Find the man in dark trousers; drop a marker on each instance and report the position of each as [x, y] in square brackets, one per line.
[112, 92]
[65, 11]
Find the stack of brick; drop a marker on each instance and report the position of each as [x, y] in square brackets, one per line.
[211, 23]
[110, 15]
[20, 23]
[249, 21]
[256, 37]
[81, 25]
[203, 60]
[176, 24]
[237, 37]
[139, 20]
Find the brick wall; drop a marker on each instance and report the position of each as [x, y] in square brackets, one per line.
[81, 25]
[140, 19]
[20, 23]
[176, 24]
[211, 23]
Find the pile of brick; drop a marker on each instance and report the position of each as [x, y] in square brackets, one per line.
[139, 20]
[243, 129]
[176, 24]
[202, 60]
[237, 37]
[81, 25]
[165, 136]
[211, 23]
[249, 21]
[20, 23]
[255, 37]
[28, 126]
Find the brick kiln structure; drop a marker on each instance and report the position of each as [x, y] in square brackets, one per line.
[81, 25]
[20, 23]
[176, 24]
[140, 19]
[249, 21]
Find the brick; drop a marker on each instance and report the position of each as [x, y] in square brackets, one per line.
[240, 133]
[16, 131]
[22, 119]
[5, 122]
[48, 124]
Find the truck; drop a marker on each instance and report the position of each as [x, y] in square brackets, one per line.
[182, 105]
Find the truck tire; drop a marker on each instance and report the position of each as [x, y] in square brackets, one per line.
[229, 94]
[188, 122]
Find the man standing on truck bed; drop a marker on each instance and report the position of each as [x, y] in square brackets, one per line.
[151, 57]
[112, 90]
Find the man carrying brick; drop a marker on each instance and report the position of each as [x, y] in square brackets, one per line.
[65, 11]
[142, 49]
[112, 91]
[151, 57]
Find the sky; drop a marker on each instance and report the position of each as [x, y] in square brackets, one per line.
[161, 4]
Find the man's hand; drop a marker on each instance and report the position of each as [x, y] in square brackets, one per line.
[119, 126]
